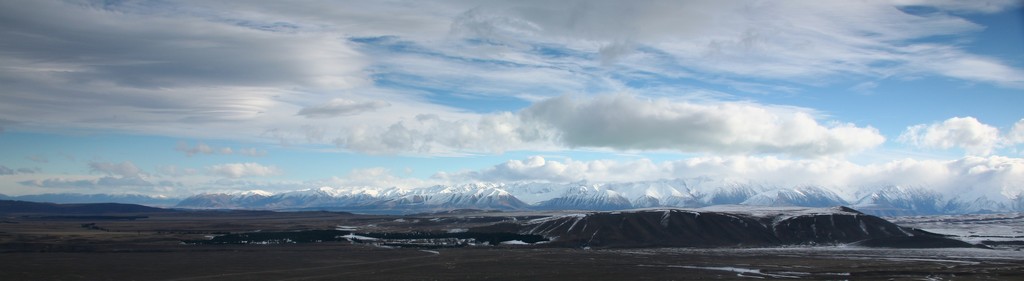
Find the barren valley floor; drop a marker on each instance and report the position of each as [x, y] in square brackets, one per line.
[149, 247]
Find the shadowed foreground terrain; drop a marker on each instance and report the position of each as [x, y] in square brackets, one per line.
[146, 245]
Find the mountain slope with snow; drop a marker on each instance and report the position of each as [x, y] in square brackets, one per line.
[686, 193]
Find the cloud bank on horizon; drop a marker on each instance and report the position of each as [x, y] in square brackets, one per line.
[181, 97]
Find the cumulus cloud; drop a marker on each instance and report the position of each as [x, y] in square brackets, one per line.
[341, 107]
[624, 122]
[974, 137]
[239, 170]
[993, 176]
[1016, 134]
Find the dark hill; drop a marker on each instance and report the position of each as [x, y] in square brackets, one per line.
[11, 206]
[739, 227]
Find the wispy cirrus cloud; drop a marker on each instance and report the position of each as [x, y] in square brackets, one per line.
[795, 39]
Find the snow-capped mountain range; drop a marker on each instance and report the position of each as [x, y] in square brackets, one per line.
[687, 193]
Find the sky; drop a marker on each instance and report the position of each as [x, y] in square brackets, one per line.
[175, 98]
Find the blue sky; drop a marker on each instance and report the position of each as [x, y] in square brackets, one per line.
[181, 97]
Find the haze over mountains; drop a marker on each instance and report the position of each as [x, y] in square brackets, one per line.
[687, 193]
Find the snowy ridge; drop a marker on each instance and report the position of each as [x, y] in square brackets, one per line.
[687, 193]
[587, 197]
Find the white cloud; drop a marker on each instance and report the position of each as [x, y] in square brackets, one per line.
[968, 133]
[620, 122]
[1016, 134]
[341, 107]
[626, 123]
[958, 64]
[239, 170]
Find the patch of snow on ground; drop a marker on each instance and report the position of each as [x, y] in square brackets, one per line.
[514, 242]
[551, 218]
[353, 236]
[740, 272]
